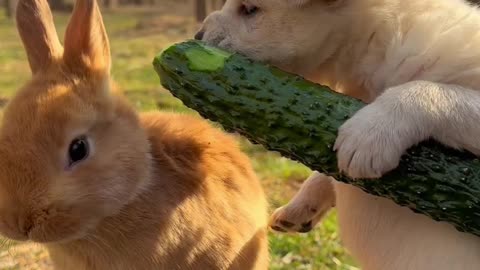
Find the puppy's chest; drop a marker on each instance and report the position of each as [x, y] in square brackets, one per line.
[424, 64]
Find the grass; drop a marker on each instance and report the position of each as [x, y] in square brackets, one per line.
[136, 37]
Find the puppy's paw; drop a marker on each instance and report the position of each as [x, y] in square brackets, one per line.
[296, 218]
[372, 142]
[307, 208]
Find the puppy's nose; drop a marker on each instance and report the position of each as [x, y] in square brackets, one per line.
[199, 35]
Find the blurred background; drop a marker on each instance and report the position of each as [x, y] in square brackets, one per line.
[139, 30]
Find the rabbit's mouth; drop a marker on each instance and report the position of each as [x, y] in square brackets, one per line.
[59, 230]
[47, 225]
[43, 233]
[51, 225]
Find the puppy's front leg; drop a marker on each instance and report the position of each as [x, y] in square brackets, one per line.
[372, 142]
[307, 208]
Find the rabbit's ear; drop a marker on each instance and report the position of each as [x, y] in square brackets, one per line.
[86, 41]
[38, 34]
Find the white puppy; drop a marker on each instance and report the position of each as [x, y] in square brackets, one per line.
[417, 62]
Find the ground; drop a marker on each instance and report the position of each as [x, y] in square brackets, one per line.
[137, 35]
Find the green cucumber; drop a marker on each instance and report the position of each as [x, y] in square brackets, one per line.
[300, 119]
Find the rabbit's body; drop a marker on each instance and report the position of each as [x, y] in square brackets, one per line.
[204, 208]
[104, 188]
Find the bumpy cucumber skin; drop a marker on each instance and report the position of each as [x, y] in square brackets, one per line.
[299, 119]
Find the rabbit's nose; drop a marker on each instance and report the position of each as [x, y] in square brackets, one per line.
[14, 225]
[25, 224]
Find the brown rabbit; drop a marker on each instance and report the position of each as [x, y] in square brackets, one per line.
[104, 188]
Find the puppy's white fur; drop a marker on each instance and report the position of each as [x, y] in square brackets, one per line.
[418, 65]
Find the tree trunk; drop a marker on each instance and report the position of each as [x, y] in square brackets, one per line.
[112, 4]
[11, 7]
[200, 10]
[56, 4]
[217, 4]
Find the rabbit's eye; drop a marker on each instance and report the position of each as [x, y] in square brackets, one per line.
[79, 150]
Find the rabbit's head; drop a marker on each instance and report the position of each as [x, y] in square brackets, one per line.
[72, 152]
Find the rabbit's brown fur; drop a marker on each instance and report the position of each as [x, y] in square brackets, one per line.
[157, 191]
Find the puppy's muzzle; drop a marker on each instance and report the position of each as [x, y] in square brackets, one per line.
[199, 35]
